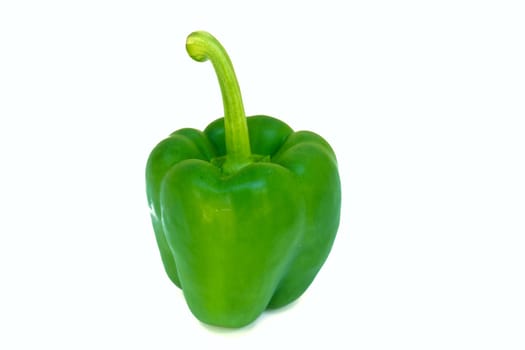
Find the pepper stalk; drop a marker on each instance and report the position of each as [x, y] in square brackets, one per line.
[202, 46]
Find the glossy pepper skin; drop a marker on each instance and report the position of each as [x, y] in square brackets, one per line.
[244, 213]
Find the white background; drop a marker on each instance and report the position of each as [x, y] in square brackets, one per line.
[423, 102]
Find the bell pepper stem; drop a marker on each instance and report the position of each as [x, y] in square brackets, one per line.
[202, 46]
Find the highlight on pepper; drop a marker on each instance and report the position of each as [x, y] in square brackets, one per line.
[245, 212]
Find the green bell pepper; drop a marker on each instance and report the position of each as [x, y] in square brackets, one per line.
[244, 213]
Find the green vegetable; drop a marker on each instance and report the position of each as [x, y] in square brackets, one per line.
[244, 213]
